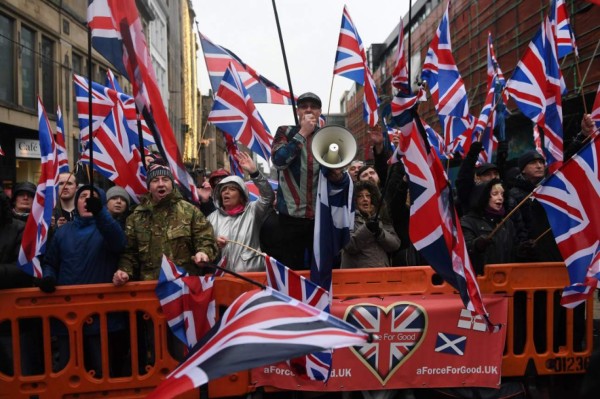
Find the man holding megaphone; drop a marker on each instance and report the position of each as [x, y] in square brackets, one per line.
[298, 166]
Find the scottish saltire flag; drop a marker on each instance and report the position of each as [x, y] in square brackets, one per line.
[434, 229]
[441, 74]
[564, 36]
[116, 154]
[260, 327]
[536, 88]
[570, 198]
[118, 36]
[131, 114]
[400, 72]
[316, 366]
[596, 109]
[351, 63]
[36, 230]
[234, 112]
[61, 148]
[334, 217]
[187, 301]
[261, 89]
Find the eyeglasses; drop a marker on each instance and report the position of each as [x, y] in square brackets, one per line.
[308, 105]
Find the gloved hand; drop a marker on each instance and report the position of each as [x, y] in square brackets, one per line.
[481, 243]
[93, 204]
[526, 249]
[46, 284]
[373, 226]
[475, 148]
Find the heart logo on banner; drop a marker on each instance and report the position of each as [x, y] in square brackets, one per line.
[401, 327]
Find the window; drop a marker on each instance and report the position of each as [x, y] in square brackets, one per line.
[48, 87]
[28, 68]
[7, 54]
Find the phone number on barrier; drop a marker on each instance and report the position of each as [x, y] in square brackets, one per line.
[568, 364]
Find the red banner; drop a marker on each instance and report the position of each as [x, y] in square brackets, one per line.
[425, 342]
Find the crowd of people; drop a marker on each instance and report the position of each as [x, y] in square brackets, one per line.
[99, 237]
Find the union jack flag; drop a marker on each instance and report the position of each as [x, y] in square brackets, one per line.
[234, 112]
[131, 114]
[261, 89]
[36, 230]
[232, 150]
[315, 366]
[351, 62]
[441, 74]
[59, 139]
[260, 327]
[116, 155]
[400, 73]
[434, 230]
[496, 81]
[596, 109]
[117, 34]
[570, 198]
[403, 320]
[564, 36]
[253, 192]
[536, 88]
[187, 301]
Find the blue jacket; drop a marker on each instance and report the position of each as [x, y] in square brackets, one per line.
[85, 251]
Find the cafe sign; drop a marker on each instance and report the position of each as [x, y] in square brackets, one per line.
[26, 148]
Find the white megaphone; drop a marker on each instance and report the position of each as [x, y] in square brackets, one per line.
[334, 146]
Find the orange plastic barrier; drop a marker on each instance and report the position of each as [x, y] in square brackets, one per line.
[542, 337]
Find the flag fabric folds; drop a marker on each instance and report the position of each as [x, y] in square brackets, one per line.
[260, 327]
[36, 230]
[334, 218]
[570, 198]
[234, 112]
[187, 301]
[316, 366]
[351, 62]
[441, 74]
[261, 89]
[61, 148]
[117, 35]
[536, 86]
[400, 72]
[565, 37]
[116, 155]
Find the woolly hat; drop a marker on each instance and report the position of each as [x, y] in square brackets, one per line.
[26, 187]
[118, 191]
[529, 156]
[156, 169]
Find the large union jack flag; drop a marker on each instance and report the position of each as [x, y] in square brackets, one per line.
[61, 148]
[536, 86]
[403, 320]
[35, 235]
[570, 198]
[441, 74]
[260, 327]
[351, 63]
[187, 301]
[234, 112]
[116, 155]
[315, 366]
[261, 89]
[565, 38]
[434, 229]
[117, 34]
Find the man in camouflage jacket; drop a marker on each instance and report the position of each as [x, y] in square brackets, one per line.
[164, 223]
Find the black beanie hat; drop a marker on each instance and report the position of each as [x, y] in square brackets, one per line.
[529, 156]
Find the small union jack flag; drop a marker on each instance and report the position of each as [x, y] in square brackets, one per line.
[234, 112]
[351, 62]
[261, 89]
[59, 139]
[36, 230]
[564, 36]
